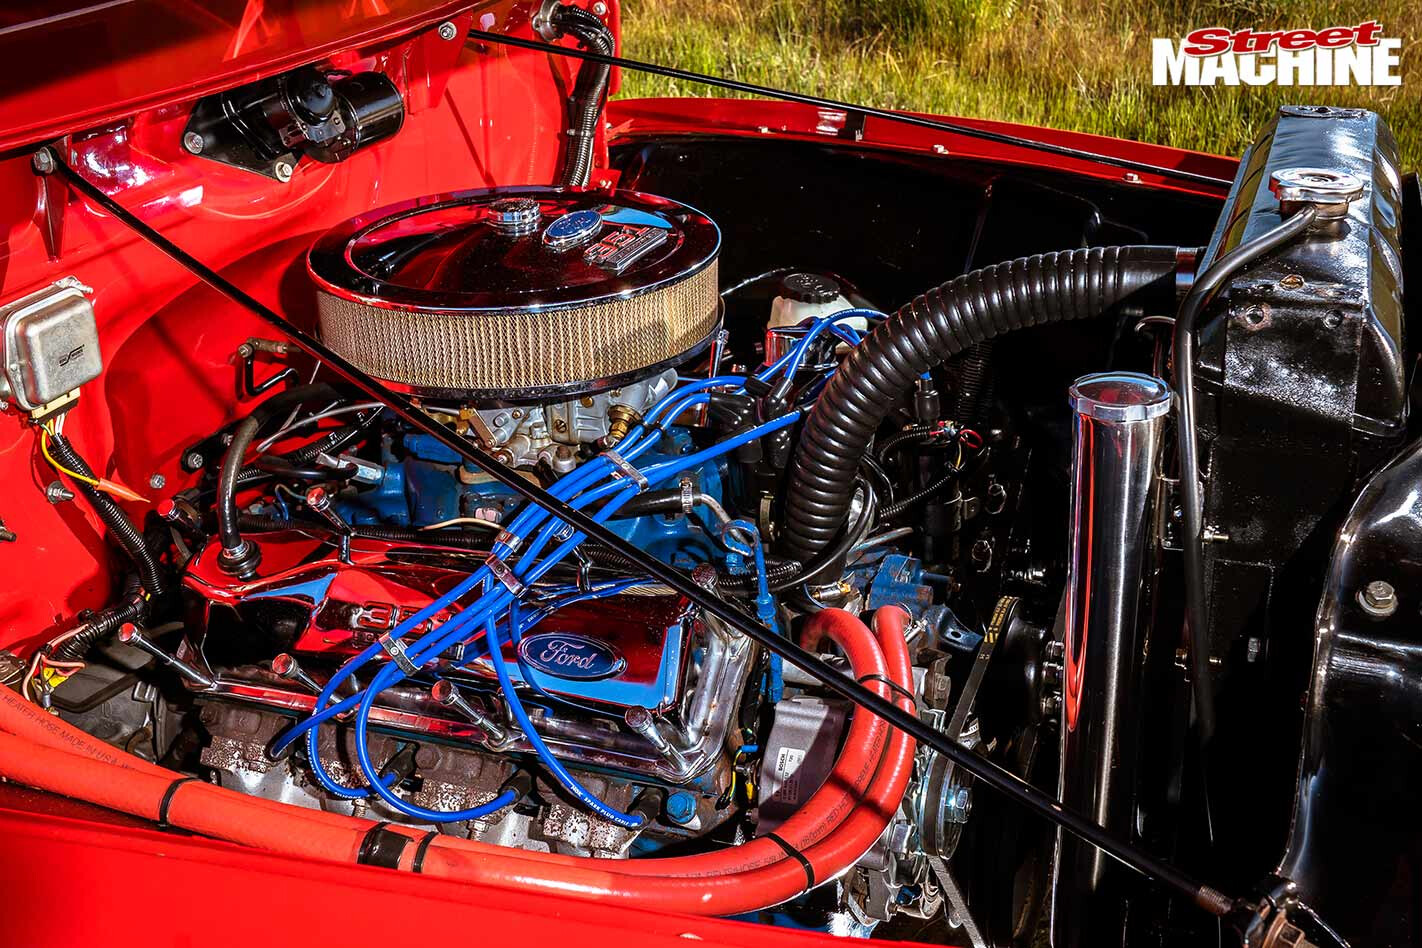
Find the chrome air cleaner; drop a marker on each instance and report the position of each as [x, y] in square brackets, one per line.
[519, 294]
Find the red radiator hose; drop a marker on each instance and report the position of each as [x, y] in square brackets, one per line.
[54, 756]
[706, 884]
[842, 790]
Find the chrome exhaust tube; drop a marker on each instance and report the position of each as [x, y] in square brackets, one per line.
[1118, 433]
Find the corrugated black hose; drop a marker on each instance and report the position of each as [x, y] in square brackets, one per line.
[983, 304]
[934, 487]
[131, 608]
[585, 106]
[150, 571]
[913, 434]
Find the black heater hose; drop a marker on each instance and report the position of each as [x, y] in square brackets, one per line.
[239, 556]
[966, 311]
[150, 572]
[585, 106]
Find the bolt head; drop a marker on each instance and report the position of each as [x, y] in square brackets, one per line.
[57, 493]
[157, 481]
[283, 171]
[681, 807]
[193, 143]
[447, 30]
[957, 805]
[194, 460]
[704, 575]
[599, 8]
[43, 161]
[1378, 598]
[902, 838]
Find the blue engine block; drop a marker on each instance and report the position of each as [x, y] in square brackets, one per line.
[424, 484]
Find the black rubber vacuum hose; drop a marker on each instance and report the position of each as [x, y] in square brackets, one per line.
[975, 307]
[329, 443]
[150, 573]
[462, 539]
[585, 106]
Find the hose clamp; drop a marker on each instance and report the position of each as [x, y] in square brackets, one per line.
[688, 496]
[504, 574]
[625, 469]
[396, 650]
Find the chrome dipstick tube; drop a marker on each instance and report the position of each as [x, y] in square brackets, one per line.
[1118, 425]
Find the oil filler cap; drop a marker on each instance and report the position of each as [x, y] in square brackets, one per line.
[810, 288]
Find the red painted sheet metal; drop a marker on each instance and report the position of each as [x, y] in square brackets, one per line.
[474, 119]
[79, 63]
[69, 879]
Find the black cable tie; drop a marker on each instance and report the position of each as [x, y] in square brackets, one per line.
[382, 847]
[798, 856]
[893, 686]
[167, 800]
[420, 850]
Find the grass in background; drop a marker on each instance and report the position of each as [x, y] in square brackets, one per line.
[1072, 64]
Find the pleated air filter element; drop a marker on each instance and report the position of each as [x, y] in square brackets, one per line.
[519, 294]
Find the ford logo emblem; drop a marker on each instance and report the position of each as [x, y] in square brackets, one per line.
[568, 655]
[572, 229]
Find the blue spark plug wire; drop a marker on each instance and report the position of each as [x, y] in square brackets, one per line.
[579, 488]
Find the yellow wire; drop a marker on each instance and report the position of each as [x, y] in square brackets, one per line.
[44, 449]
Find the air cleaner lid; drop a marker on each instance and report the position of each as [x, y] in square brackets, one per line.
[519, 294]
[514, 249]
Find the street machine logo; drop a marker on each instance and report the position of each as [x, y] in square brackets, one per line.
[1336, 56]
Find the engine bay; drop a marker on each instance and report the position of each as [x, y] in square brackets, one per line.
[442, 523]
